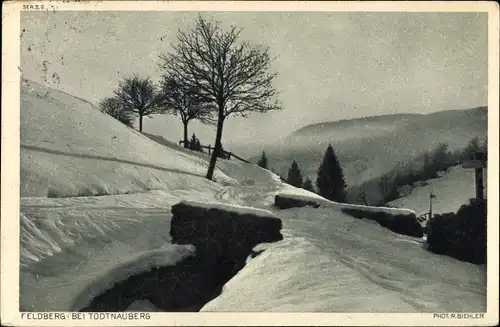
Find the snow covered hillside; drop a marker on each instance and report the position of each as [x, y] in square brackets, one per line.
[74, 248]
[453, 189]
[70, 148]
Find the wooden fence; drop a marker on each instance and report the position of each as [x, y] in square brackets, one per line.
[227, 154]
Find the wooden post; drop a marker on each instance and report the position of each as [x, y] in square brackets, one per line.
[431, 196]
[478, 172]
[478, 163]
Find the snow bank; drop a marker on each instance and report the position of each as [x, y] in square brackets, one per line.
[67, 243]
[300, 197]
[141, 262]
[401, 221]
[52, 228]
[43, 237]
[230, 208]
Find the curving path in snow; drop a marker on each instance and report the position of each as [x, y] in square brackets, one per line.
[331, 262]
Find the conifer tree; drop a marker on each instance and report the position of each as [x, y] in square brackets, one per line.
[294, 175]
[263, 160]
[330, 181]
[308, 185]
[198, 145]
[192, 142]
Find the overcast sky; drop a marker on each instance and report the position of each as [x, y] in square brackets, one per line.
[330, 65]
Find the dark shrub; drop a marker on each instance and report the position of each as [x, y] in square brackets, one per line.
[401, 224]
[285, 202]
[461, 235]
[222, 153]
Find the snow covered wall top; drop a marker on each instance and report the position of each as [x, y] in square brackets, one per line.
[230, 208]
[402, 221]
[320, 201]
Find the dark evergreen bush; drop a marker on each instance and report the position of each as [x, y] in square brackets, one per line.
[461, 235]
[330, 180]
[294, 175]
[308, 185]
[263, 161]
[194, 144]
[222, 154]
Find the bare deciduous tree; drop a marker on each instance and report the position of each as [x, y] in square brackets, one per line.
[138, 95]
[232, 75]
[113, 107]
[174, 97]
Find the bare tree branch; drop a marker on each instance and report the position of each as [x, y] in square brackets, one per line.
[182, 100]
[233, 76]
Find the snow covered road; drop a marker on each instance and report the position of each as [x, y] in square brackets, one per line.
[331, 262]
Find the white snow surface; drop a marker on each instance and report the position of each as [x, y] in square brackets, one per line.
[331, 262]
[138, 263]
[143, 305]
[452, 190]
[73, 248]
[70, 148]
[234, 208]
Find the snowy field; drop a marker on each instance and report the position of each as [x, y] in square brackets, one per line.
[74, 248]
[453, 189]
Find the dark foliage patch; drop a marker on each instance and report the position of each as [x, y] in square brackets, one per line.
[401, 224]
[461, 235]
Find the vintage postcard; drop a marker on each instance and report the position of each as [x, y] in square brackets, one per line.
[218, 163]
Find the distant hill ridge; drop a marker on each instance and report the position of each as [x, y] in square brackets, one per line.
[370, 146]
[392, 118]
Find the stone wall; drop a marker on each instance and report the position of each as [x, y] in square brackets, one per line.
[221, 230]
[398, 223]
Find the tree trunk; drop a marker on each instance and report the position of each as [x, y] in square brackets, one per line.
[217, 148]
[186, 143]
[140, 122]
